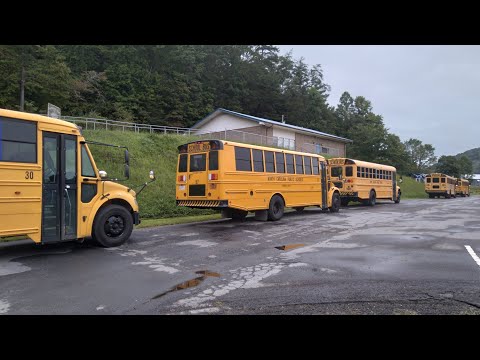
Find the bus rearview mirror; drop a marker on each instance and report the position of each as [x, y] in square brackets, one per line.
[152, 175]
[127, 157]
[127, 171]
[103, 174]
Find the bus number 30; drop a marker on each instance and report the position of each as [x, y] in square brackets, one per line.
[29, 175]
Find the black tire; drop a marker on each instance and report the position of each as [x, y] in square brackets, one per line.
[239, 214]
[344, 202]
[398, 198]
[372, 200]
[448, 196]
[113, 226]
[299, 208]
[431, 196]
[276, 208]
[336, 202]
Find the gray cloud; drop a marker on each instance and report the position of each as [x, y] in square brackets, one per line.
[427, 92]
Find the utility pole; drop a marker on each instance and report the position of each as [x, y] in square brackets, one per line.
[22, 90]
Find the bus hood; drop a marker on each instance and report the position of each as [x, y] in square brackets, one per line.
[110, 187]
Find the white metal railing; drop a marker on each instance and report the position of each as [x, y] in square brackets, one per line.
[250, 138]
[233, 135]
[319, 149]
[106, 124]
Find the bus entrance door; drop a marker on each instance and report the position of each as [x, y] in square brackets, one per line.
[59, 195]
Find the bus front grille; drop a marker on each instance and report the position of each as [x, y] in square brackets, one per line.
[196, 190]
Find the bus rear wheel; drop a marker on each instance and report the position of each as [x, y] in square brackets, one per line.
[372, 200]
[276, 208]
[113, 226]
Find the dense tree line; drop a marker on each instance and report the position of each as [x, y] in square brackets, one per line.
[178, 85]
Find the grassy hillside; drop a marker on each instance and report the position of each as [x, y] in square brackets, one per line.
[147, 152]
[412, 189]
[474, 156]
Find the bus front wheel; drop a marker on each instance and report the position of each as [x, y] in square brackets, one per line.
[276, 208]
[398, 198]
[335, 203]
[113, 226]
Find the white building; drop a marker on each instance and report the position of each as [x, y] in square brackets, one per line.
[231, 125]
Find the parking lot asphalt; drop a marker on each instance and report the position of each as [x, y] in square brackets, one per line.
[416, 257]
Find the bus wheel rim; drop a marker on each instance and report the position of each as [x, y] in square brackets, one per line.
[114, 226]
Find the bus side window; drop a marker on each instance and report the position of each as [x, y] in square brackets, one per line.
[290, 166]
[443, 180]
[280, 162]
[308, 165]
[349, 171]
[18, 141]
[257, 160]
[299, 164]
[269, 161]
[243, 159]
[315, 166]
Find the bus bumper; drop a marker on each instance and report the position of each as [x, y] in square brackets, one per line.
[136, 218]
[203, 204]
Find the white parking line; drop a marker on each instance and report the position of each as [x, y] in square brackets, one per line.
[472, 253]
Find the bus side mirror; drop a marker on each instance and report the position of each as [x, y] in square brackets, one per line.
[127, 157]
[152, 175]
[127, 171]
[103, 174]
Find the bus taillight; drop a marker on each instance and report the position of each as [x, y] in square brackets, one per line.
[212, 176]
[182, 178]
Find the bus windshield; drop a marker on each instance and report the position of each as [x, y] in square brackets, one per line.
[337, 171]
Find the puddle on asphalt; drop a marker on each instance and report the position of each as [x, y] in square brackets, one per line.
[207, 273]
[289, 246]
[190, 283]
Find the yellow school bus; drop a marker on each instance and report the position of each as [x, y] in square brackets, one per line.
[51, 189]
[363, 181]
[437, 185]
[238, 178]
[463, 187]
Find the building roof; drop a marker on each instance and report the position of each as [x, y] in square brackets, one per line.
[259, 120]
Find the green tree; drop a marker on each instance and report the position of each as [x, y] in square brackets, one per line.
[448, 165]
[421, 155]
[465, 167]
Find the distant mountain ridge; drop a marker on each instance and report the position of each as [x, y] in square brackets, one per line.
[474, 156]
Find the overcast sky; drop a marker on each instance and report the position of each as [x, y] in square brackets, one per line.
[431, 93]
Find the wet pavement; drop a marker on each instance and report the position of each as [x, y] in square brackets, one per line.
[407, 258]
